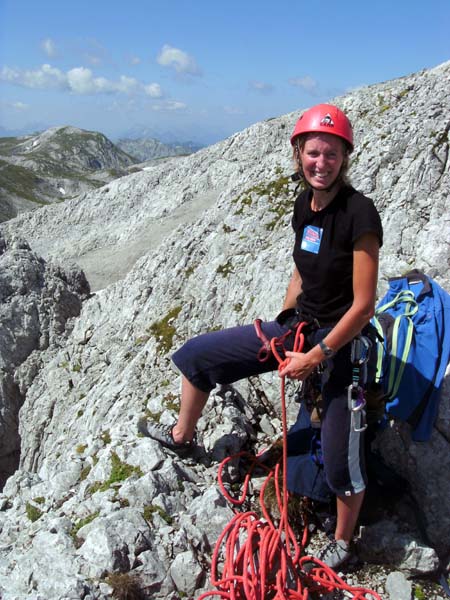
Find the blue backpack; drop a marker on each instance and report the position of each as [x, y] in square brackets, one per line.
[413, 319]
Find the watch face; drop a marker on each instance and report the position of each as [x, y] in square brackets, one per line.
[327, 351]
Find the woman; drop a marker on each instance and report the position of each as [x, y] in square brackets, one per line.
[338, 234]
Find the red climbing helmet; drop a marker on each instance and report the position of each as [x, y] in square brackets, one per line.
[324, 118]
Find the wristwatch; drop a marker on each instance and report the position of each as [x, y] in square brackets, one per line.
[328, 352]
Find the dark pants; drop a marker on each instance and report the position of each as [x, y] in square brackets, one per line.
[222, 357]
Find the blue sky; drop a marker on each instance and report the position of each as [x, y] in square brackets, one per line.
[200, 69]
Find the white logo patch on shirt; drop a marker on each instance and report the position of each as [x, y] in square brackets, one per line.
[311, 239]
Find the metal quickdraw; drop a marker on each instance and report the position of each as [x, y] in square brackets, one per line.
[360, 352]
[356, 404]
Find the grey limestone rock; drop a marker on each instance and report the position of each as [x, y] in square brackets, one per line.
[383, 542]
[170, 252]
[398, 587]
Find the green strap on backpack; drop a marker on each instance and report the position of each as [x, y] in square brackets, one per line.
[396, 365]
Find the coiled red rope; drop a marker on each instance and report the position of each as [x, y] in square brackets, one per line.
[255, 559]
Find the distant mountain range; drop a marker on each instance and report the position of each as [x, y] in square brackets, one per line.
[63, 162]
[149, 148]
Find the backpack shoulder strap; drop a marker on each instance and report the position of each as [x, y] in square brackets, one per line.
[380, 348]
[397, 363]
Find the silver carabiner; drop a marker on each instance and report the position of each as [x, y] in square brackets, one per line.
[362, 416]
[360, 349]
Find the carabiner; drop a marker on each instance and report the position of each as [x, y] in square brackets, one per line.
[360, 349]
[356, 403]
[362, 416]
[355, 398]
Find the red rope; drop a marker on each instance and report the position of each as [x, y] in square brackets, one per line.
[254, 559]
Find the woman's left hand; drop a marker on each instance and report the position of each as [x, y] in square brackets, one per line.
[296, 366]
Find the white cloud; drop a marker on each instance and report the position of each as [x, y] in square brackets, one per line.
[261, 87]
[153, 90]
[15, 106]
[178, 60]
[127, 85]
[93, 59]
[79, 80]
[49, 47]
[43, 78]
[175, 105]
[169, 105]
[307, 83]
[20, 106]
[135, 60]
[94, 53]
[232, 110]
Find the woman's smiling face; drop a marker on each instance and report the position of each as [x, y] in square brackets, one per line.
[322, 157]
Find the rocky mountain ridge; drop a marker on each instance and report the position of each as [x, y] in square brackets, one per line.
[54, 165]
[168, 253]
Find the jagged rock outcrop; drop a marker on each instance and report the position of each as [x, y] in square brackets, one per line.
[37, 302]
[54, 165]
[173, 252]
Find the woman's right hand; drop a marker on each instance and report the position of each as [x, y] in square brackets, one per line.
[297, 365]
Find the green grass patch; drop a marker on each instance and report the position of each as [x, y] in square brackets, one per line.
[419, 594]
[85, 472]
[33, 512]
[164, 330]
[105, 436]
[225, 269]
[152, 509]
[277, 191]
[440, 138]
[172, 402]
[153, 416]
[81, 523]
[8, 145]
[19, 181]
[125, 586]
[120, 471]
[141, 340]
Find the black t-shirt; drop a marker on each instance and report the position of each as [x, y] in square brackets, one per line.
[323, 251]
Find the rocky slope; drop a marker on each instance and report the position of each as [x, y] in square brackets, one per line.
[54, 165]
[171, 252]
